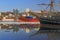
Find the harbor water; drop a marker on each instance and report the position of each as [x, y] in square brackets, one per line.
[27, 32]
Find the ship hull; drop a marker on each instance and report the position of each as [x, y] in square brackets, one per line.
[50, 24]
[47, 21]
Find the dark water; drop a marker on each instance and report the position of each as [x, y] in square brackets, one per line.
[26, 32]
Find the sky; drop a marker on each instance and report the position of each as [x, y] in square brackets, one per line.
[21, 5]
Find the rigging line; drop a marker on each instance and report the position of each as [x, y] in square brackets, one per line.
[47, 6]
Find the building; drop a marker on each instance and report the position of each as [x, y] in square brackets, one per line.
[15, 11]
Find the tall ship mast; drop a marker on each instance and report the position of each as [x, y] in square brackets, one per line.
[52, 18]
[51, 6]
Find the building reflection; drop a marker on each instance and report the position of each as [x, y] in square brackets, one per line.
[16, 28]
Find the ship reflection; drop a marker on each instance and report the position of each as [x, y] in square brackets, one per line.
[49, 35]
[16, 28]
[47, 32]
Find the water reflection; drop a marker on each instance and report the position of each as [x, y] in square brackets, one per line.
[27, 32]
[17, 28]
[50, 26]
[47, 33]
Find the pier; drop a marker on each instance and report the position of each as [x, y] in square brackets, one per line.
[19, 22]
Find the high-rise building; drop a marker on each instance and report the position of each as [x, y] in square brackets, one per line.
[16, 11]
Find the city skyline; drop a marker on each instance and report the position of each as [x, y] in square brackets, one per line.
[21, 5]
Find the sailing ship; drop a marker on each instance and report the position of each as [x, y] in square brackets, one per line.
[52, 18]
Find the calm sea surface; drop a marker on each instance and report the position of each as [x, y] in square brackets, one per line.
[26, 32]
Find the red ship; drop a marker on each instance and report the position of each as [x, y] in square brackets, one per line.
[28, 19]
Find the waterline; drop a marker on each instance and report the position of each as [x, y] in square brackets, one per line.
[19, 22]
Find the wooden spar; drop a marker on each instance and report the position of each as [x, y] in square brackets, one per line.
[51, 6]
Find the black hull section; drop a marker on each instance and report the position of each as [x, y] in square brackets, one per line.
[50, 24]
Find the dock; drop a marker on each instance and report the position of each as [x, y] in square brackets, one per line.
[4, 22]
